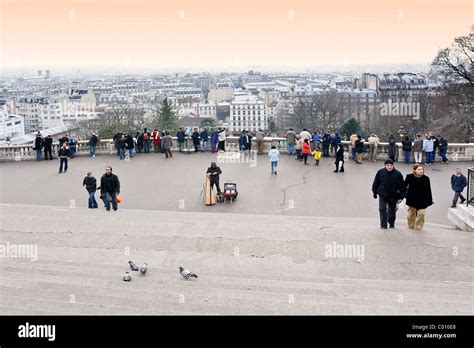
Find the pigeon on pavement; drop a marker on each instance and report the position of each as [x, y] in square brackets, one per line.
[186, 274]
[133, 266]
[127, 277]
[143, 268]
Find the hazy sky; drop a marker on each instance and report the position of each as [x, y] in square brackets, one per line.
[140, 34]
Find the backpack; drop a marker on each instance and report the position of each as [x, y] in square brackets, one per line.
[145, 136]
[392, 141]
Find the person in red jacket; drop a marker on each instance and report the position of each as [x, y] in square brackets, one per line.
[156, 140]
[306, 150]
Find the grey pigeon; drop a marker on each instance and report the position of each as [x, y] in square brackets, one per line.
[143, 268]
[127, 277]
[133, 266]
[186, 274]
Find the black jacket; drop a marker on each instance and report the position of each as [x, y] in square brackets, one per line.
[389, 185]
[406, 144]
[418, 191]
[93, 140]
[215, 172]
[48, 143]
[339, 155]
[195, 137]
[359, 146]
[91, 184]
[109, 183]
[38, 143]
[62, 152]
[129, 141]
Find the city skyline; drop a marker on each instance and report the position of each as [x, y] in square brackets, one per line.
[206, 34]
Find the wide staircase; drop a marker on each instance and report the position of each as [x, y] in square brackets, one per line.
[247, 264]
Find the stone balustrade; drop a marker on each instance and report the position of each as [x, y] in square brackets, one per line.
[456, 152]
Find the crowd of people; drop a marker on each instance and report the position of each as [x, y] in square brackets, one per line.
[388, 187]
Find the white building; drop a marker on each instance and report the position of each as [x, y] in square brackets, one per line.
[207, 109]
[247, 112]
[81, 106]
[41, 112]
[10, 125]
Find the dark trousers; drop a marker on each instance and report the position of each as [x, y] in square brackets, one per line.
[458, 195]
[325, 150]
[217, 186]
[63, 162]
[222, 145]
[337, 167]
[92, 202]
[387, 211]
[168, 152]
[48, 152]
[305, 158]
[110, 196]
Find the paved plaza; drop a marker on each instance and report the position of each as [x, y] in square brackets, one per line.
[304, 242]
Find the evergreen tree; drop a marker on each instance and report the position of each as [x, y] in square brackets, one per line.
[350, 127]
[166, 117]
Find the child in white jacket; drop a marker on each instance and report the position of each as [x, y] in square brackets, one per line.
[274, 156]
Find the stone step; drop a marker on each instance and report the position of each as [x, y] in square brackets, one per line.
[228, 288]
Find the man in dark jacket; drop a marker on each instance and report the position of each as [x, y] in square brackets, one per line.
[48, 147]
[359, 149]
[204, 136]
[214, 171]
[243, 141]
[130, 144]
[109, 188]
[38, 146]
[442, 149]
[121, 144]
[181, 137]
[166, 143]
[458, 183]
[90, 184]
[389, 186]
[63, 153]
[326, 142]
[92, 144]
[196, 141]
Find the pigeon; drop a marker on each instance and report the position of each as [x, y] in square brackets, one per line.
[186, 274]
[127, 277]
[143, 268]
[133, 266]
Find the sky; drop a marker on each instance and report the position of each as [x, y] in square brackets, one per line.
[220, 34]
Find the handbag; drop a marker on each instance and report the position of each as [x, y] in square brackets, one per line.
[119, 198]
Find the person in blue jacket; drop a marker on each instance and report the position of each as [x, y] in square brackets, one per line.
[458, 183]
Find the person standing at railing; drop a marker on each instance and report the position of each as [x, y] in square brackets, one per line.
[139, 137]
[48, 147]
[428, 148]
[406, 145]
[204, 137]
[458, 183]
[156, 140]
[374, 143]
[443, 148]
[130, 144]
[418, 149]
[146, 140]
[121, 144]
[392, 147]
[38, 146]
[72, 146]
[359, 146]
[63, 154]
[214, 140]
[291, 141]
[92, 144]
[326, 142]
[222, 138]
